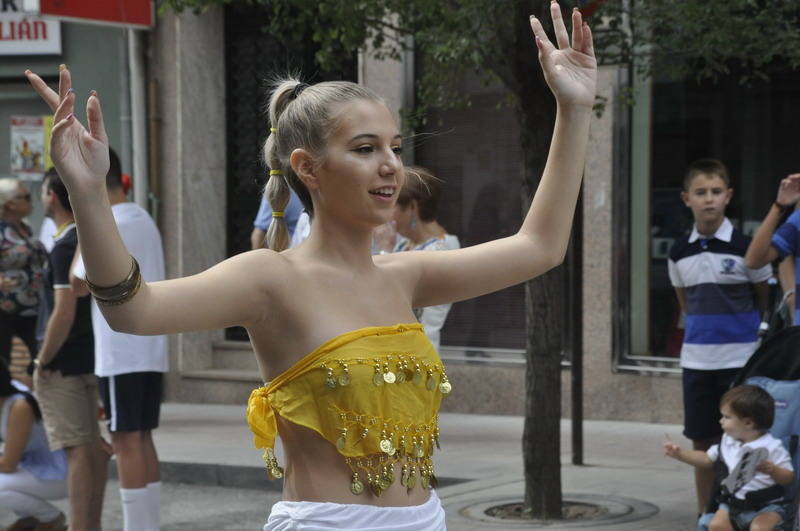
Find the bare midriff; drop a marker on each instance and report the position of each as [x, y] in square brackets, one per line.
[315, 471]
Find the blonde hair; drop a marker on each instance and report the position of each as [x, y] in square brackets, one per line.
[301, 117]
[9, 187]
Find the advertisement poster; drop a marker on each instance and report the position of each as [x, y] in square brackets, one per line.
[28, 147]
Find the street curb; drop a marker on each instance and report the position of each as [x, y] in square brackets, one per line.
[233, 476]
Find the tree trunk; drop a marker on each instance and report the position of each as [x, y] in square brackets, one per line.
[541, 446]
[544, 318]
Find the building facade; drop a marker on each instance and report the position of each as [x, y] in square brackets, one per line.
[189, 64]
[207, 77]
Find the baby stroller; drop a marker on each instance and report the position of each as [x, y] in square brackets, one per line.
[775, 367]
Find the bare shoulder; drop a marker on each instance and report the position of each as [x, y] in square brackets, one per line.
[262, 270]
[264, 260]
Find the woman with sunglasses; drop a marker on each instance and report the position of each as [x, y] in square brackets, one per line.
[22, 259]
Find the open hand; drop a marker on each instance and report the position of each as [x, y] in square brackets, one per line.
[80, 155]
[670, 448]
[570, 71]
[789, 190]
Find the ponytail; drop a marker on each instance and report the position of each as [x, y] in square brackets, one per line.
[278, 194]
[277, 189]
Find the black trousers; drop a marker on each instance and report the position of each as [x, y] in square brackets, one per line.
[24, 327]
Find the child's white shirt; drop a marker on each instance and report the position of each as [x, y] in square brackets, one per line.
[733, 450]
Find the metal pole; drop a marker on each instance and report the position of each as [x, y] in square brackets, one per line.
[138, 112]
[576, 316]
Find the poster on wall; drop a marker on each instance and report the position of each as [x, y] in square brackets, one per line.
[29, 138]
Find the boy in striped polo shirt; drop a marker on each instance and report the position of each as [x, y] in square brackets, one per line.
[723, 301]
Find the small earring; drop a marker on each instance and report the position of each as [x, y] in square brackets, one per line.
[413, 222]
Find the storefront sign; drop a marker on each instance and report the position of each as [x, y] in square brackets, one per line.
[27, 35]
[129, 13]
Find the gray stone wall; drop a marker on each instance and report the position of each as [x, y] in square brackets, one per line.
[188, 64]
[607, 394]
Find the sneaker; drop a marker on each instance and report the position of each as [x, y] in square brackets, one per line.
[57, 524]
[24, 524]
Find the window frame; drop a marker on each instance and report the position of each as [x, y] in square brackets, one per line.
[623, 360]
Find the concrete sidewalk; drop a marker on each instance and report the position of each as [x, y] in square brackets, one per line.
[216, 479]
[622, 459]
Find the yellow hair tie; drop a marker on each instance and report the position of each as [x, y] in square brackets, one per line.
[277, 214]
[275, 172]
[273, 130]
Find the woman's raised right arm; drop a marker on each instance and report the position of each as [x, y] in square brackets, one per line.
[225, 295]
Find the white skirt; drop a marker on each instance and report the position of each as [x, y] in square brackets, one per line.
[323, 516]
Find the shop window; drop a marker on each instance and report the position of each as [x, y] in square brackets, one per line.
[751, 128]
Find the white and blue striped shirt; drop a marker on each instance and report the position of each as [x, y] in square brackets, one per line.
[722, 319]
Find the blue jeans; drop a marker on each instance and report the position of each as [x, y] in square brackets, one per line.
[744, 518]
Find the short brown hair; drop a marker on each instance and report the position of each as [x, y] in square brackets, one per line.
[707, 167]
[751, 402]
[52, 182]
[422, 186]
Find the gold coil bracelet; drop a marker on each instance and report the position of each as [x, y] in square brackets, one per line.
[119, 293]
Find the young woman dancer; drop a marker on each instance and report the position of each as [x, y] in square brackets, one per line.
[353, 394]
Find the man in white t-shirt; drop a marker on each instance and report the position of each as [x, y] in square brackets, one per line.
[130, 368]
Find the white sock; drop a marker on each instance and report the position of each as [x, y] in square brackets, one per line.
[154, 505]
[134, 509]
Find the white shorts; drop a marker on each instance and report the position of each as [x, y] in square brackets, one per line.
[319, 516]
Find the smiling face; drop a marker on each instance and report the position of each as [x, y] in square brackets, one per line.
[361, 171]
[708, 195]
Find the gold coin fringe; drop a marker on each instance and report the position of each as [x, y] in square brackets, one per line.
[411, 446]
[392, 369]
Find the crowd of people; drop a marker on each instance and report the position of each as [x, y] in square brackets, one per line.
[52, 442]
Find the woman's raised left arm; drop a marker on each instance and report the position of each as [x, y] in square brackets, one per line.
[541, 243]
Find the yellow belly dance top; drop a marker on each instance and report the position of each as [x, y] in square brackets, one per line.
[374, 393]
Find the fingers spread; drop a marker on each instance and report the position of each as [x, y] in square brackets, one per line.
[562, 37]
[577, 29]
[94, 117]
[46, 93]
[544, 42]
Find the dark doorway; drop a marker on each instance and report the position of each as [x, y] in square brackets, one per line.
[253, 57]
